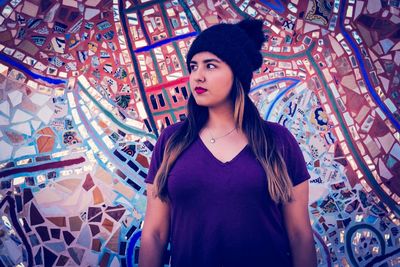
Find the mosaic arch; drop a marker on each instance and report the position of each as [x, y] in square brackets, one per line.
[86, 87]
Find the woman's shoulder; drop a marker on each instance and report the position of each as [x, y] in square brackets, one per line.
[275, 128]
[281, 135]
[168, 131]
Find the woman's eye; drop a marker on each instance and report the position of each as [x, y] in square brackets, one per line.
[211, 66]
[193, 67]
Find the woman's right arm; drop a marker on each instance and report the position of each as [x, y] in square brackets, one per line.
[155, 232]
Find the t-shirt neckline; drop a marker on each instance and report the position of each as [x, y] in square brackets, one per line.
[216, 159]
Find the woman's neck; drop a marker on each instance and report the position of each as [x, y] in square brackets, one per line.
[220, 118]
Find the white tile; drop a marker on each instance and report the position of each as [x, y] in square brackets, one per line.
[32, 84]
[39, 99]
[385, 83]
[93, 2]
[21, 116]
[397, 58]
[115, 262]
[25, 151]
[45, 114]
[348, 118]
[30, 9]
[91, 13]
[6, 150]
[390, 105]
[83, 81]
[142, 111]
[36, 124]
[5, 108]
[4, 120]
[24, 128]
[395, 19]
[396, 151]
[7, 11]
[15, 97]
[359, 6]
[58, 44]
[3, 69]
[374, 6]
[310, 27]
[50, 194]
[71, 3]
[396, 47]
[383, 170]
[386, 45]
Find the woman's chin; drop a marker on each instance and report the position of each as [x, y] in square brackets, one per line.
[202, 102]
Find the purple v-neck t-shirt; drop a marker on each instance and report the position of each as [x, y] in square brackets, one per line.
[222, 213]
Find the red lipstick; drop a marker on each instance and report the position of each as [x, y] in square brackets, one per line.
[200, 90]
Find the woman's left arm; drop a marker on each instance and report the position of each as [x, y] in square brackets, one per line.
[297, 222]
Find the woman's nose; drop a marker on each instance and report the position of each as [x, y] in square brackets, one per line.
[200, 78]
[199, 75]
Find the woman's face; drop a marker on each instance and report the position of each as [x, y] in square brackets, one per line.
[211, 80]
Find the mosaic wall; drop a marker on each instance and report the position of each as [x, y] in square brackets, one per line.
[86, 86]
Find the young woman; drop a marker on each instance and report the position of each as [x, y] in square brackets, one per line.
[225, 187]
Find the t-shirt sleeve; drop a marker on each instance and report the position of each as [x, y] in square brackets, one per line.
[294, 159]
[157, 156]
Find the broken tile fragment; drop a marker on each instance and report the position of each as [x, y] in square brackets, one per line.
[97, 196]
[105, 259]
[96, 244]
[142, 160]
[93, 211]
[92, 3]
[49, 257]
[45, 143]
[116, 212]
[38, 257]
[113, 242]
[62, 260]
[35, 216]
[94, 229]
[91, 13]
[43, 233]
[57, 247]
[34, 240]
[84, 237]
[107, 224]
[59, 221]
[28, 196]
[103, 175]
[68, 237]
[76, 254]
[55, 233]
[88, 184]
[75, 223]
[30, 9]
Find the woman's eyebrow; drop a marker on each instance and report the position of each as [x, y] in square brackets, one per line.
[211, 60]
[206, 61]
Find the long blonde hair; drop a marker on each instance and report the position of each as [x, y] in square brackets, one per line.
[260, 141]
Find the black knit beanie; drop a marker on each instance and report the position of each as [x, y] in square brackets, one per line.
[238, 45]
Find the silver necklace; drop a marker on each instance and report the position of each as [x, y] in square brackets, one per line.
[214, 139]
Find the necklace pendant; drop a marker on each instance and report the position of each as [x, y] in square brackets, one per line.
[212, 140]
